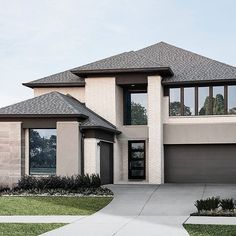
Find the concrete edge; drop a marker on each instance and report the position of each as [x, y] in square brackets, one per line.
[214, 220]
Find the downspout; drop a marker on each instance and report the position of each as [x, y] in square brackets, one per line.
[82, 153]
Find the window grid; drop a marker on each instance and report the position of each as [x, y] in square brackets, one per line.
[196, 98]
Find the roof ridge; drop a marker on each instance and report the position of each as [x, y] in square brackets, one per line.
[67, 102]
[68, 95]
[188, 51]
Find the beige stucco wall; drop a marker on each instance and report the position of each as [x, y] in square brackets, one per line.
[76, 92]
[100, 96]
[91, 156]
[10, 152]
[68, 149]
[155, 154]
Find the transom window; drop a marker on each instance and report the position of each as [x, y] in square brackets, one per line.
[135, 109]
[42, 152]
[206, 100]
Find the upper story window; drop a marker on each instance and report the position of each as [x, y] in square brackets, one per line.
[135, 107]
[206, 100]
[42, 151]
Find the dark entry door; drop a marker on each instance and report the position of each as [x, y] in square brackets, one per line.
[136, 159]
[106, 162]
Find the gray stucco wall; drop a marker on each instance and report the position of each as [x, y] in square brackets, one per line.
[10, 152]
[200, 133]
[68, 148]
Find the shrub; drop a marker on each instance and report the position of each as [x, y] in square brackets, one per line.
[4, 188]
[209, 204]
[95, 180]
[59, 182]
[227, 204]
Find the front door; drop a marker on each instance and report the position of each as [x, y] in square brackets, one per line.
[106, 162]
[137, 159]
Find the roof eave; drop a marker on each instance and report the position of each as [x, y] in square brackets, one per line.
[81, 116]
[43, 85]
[115, 131]
[161, 70]
[199, 82]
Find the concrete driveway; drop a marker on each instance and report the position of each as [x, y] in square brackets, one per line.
[145, 210]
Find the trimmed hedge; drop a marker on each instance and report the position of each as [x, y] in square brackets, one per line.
[59, 182]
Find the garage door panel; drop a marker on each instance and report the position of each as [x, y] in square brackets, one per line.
[200, 163]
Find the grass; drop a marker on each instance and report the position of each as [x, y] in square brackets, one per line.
[52, 205]
[211, 230]
[9, 229]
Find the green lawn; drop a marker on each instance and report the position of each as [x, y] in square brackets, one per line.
[211, 230]
[52, 205]
[26, 229]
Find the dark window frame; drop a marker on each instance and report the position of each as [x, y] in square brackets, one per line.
[196, 91]
[127, 103]
[29, 158]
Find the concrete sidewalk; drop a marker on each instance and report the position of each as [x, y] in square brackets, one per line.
[40, 219]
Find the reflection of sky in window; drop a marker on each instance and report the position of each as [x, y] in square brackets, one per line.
[218, 90]
[203, 93]
[140, 98]
[189, 99]
[46, 133]
[231, 96]
[175, 95]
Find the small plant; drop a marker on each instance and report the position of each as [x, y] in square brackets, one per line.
[227, 204]
[209, 204]
[95, 180]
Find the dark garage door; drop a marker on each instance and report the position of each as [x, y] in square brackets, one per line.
[200, 163]
[106, 162]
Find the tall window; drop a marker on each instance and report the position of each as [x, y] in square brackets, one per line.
[218, 100]
[42, 151]
[175, 103]
[135, 108]
[204, 101]
[232, 99]
[189, 101]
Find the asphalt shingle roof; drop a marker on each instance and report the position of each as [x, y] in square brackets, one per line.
[65, 77]
[187, 66]
[126, 60]
[56, 104]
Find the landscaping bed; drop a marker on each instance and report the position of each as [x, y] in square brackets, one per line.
[79, 185]
[9, 229]
[55, 195]
[210, 230]
[215, 207]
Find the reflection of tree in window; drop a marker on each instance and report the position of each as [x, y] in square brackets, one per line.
[138, 114]
[218, 105]
[176, 111]
[205, 110]
[42, 153]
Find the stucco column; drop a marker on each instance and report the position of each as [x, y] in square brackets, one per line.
[10, 152]
[68, 148]
[155, 147]
[91, 156]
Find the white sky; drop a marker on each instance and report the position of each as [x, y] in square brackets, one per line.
[39, 38]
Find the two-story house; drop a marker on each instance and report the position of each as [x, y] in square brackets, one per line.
[157, 115]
